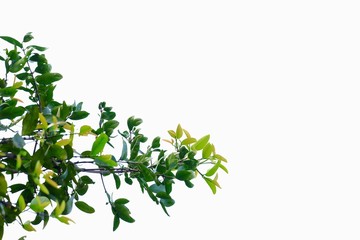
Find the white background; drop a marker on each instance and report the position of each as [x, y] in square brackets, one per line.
[275, 83]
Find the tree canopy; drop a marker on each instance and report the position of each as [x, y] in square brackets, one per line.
[41, 169]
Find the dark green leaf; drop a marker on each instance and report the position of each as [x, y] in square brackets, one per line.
[86, 179]
[8, 92]
[156, 142]
[167, 202]
[11, 112]
[28, 37]
[18, 65]
[124, 213]
[116, 222]
[48, 78]
[117, 180]
[12, 41]
[57, 152]
[30, 121]
[18, 141]
[82, 189]
[185, 175]
[83, 206]
[163, 195]
[121, 201]
[99, 144]
[108, 115]
[189, 184]
[147, 173]
[79, 115]
[17, 187]
[39, 48]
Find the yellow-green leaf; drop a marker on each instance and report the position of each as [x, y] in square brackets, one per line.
[218, 156]
[85, 130]
[3, 185]
[99, 144]
[172, 133]
[213, 170]
[21, 203]
[28, 227]
[43, 121]
[179, 131]
[39, 203]
[63, 142]
[64, 219]
[208, 149]
[201, 143]
[188, 141]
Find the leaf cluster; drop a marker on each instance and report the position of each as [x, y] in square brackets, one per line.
[41, 169]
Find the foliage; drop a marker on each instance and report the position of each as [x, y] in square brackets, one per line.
[41, 170]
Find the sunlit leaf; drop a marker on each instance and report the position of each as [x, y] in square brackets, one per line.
[179, 131]
[213, 170]
[99, 144]
[208, 149]
[28, 227]
[39, 203]
[85, 130]
[3, 185]
[201, 143]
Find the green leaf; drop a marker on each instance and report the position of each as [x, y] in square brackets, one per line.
[83, 206]
[211, 184]
[99, 144]
[157, 188]
[105, 160]
[167, 202]
[208, 149]
[57, 152]
[28, 227]
[79, 115]
[189, 184]
[224, 168]
[124, 213]
[12, 41]
[28, 37]
[39, 48]
[147, 173]
[30, 121]
[39, 203]
[201, 143]
[185, 175]
[116, 222]
[108, 115]
[86, 179]
[8, 92]
[11, 112]
[188, 141]
[172, 133]
[213, 170]
[48, 78]
[18, 65]
[18, 141]
[179, 131]
[3, 186]
[121, 201]
[85, 130]
[117, 180]
[111, 124]
[133, 122]
[156, 142]
[124, 151]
